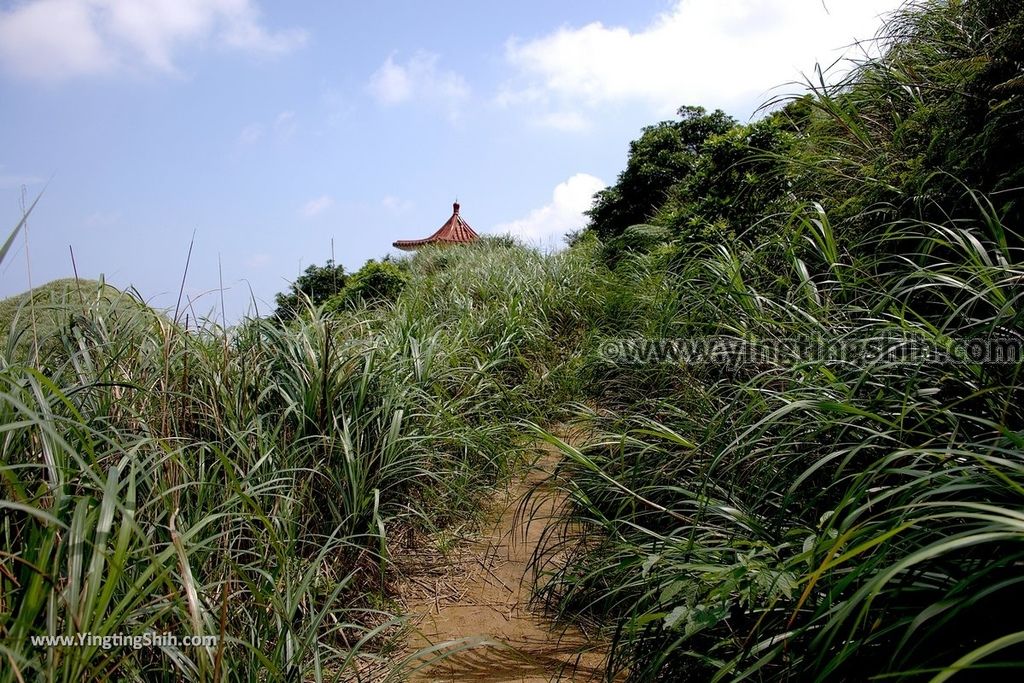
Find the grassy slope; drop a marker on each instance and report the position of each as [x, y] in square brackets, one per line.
[799, 518]
[249, 485]
[41, 312]
[246, 483]
[821, 516]
[56, 292]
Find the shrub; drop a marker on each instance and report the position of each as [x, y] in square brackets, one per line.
[375, 283]
[314, 286]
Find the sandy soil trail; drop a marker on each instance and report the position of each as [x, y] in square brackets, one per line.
[480, 594]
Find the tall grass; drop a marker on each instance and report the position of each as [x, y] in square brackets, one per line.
[808, 517]
[150, 485]
[248, 483]
[798, 516]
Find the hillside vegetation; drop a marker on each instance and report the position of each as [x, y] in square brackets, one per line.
[45, 312]
[833, 491]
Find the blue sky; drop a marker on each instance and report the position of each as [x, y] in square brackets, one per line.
[269, 129]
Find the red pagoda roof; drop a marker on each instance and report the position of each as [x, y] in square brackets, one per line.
[454, 231]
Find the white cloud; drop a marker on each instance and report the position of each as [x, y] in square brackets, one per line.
[102, 219]
[315, 207]
[9, 180]
[548, 224]
[284, 125]
[419, 78]
[396, 205]
[283, 128]
[568, 121]
[251, 134]
[725, 53]
[54, 40]
[391, 83]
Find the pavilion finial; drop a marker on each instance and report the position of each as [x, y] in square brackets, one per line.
[455, 206]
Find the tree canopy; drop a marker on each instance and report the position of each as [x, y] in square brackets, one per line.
[665, 154]
[316, 283]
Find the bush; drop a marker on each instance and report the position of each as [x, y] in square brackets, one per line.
[373, 284]
[314, 286]
[664, 155]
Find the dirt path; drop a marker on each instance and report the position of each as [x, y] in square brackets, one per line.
[480, 596]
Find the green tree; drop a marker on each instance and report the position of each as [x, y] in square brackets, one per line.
[317, 284]
[665, 154]
[740, 185]
[375, 282]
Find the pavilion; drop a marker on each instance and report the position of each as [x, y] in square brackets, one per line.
[454, 231]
